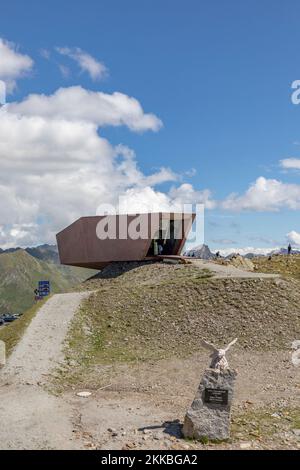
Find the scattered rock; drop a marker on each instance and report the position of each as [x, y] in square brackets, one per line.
[242, 263]
[245, 445]
[146, 431]
[84, 394]
[296, 344]
[129, 445]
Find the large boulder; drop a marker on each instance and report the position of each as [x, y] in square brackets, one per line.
[240, 262]
[209, 415]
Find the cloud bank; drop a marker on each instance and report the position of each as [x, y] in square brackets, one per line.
[55, 166]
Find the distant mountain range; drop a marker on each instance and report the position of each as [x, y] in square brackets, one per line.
[21, 269]
[44, 252]
[283, 251]
[203, 252]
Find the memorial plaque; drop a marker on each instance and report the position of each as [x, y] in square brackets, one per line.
[216, 396]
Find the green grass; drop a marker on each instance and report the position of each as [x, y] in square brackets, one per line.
[13, 332]
[19, 276]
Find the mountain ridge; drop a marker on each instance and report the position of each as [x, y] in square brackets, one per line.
[44, 252]
[203, 252]
[20, 272]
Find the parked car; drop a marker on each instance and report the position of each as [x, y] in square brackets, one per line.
[8, 318]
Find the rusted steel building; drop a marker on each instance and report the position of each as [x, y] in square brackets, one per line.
[93, 242]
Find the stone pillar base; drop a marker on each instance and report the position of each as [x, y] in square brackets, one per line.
[209, 415]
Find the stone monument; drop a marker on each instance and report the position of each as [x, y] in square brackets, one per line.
[209, 415]
[2, 354]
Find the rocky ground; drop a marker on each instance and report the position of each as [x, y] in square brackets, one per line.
[134, 347]
[138, 315]
[142, 406]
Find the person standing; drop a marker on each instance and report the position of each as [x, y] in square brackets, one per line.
[289, 249]
[36, 295]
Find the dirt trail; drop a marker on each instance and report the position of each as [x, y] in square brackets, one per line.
[40, 348]
[30, 417]
[222, 271]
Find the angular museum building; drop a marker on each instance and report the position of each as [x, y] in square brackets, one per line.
[93, 242]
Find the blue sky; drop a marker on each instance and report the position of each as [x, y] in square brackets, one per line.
[217, 74]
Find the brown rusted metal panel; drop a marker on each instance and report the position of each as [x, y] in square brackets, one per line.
[79, 244]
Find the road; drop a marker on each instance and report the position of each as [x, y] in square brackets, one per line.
[33, 417]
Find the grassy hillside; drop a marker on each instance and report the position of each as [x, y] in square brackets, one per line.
[158, 311]
[288, 266]
[20, 273]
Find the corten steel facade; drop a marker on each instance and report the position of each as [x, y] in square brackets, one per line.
[79, 244]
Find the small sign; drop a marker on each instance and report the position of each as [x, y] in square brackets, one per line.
[216, 396]
[44, 288]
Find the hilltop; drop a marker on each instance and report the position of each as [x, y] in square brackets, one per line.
[20, 273]
[44, 252]
[155, 311]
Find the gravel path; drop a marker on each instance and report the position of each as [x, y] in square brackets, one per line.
[226, 271]
[32, 418]
[40, 348]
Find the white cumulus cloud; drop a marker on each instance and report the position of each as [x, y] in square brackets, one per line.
[187, 194]
[13, 64]
[78, 104]
[294, 237]
[265, 195]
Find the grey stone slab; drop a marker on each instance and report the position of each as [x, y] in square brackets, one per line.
[209, 414]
